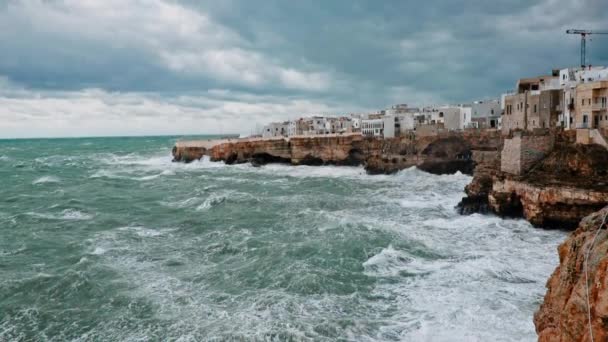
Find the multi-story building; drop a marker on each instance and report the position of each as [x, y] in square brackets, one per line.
[384, 126]
[356, 122]
[372, 127]
[569, 79]
[341, 124]
[590, 105]
[537, 104]
[485, 114]
[276, 129]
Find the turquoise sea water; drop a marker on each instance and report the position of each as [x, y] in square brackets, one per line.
[105, 239]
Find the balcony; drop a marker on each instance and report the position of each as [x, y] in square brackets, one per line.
[598, 107]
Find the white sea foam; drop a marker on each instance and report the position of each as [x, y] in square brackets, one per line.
[143, 231]
[47, 179]
[210, 202]
[4, 158]
[99, 251]
[418, 271]
[67, 214]
[305, 171]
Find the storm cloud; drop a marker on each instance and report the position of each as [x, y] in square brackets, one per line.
[79, 67]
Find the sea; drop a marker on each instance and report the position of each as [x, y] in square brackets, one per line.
[107, 239]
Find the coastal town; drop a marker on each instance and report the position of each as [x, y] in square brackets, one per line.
[538, 152]
[570, 98]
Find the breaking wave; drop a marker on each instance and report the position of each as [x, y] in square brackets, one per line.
[67, 214]
[47, 179]
[148, 249]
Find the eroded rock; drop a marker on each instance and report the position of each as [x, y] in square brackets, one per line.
[563, 315]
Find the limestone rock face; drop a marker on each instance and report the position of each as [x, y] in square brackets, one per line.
[545, 206]
[563, 315]
[558, 191]
[447, 153]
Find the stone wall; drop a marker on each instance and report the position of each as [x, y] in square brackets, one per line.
[522, 151]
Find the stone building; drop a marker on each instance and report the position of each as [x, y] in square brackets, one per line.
[276, 129]
[590, 105]
[536, 104]
[485, 114]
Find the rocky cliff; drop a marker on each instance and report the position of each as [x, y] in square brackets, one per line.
[447, 153]
[573, 296]
[560, 189]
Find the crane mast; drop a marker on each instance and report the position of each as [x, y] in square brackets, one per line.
[584, 34]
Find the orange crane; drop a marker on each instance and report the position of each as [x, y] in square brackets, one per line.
[584, 34]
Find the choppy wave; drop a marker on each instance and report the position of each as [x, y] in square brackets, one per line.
[67, 214]
[206, 250]
[47, 179]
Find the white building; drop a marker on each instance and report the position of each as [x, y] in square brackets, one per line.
[372, 127]
[569, 78]
[356, 123]
[405, 122]
[276, 129]
[485, 114]
[466, 115]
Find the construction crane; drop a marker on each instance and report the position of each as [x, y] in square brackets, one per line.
[584, 34]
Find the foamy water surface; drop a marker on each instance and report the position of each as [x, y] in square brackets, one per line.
[107, 239]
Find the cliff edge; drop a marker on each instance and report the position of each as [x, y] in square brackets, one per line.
[440, 154]
[573, 296]
[556, 191]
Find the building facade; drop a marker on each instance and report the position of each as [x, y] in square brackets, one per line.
[485, 114]
[276, 129]
[591, 106]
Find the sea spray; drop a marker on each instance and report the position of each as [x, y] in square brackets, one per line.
[135, 247]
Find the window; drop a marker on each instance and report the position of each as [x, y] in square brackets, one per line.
[582, 102]
[534, 108]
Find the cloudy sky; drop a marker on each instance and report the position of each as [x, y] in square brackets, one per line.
[136, 67]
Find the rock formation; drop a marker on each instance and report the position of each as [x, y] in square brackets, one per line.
[557, 191]
[446, 153]
[564, 315]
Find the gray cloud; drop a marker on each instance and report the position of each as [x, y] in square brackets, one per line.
[285, 57]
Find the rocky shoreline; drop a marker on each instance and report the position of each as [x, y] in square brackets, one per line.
[546, 178]
[557, 192]
[575, 307]
[440, 154]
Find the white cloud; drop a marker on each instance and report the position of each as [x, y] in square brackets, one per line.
[181, 39]
[95, 112]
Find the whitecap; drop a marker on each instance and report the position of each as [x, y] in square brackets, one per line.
[46, 179]
[5, 158]
[142, 231]
[146, 178]
[188, 202]
[99, 251]
[67, 214]
[70, 214]
[305, 171]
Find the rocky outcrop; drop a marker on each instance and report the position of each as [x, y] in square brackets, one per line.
[572, 296]
[550, 206]
[555, 192]
[446, 153]
[487, 166]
